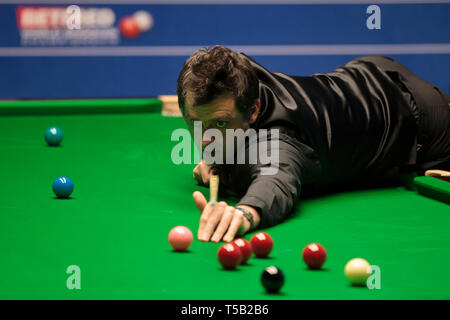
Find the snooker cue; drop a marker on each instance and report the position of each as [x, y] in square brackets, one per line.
[213, 188]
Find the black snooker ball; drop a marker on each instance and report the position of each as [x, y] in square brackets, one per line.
[272, 279]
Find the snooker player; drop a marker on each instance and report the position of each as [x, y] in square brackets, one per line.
[369, 120]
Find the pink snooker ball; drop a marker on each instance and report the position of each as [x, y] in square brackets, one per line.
[180, 238]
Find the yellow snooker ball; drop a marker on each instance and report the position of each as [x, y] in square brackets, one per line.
[357, 271]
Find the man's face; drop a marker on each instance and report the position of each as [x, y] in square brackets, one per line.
[220, 114]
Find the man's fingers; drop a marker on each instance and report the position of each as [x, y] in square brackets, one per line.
[224, 224]
[214, 217]
[204, 218]
[234, 226]
[200, 200]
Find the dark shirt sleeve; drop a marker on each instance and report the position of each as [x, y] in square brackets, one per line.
[357, 118]
[275, 194]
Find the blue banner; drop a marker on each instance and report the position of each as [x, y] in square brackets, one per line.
[61, 49]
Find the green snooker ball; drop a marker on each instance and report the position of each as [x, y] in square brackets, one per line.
[53, 136]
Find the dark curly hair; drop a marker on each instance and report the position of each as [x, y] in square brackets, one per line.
[211, 72]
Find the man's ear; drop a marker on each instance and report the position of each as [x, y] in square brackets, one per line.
[255, 112]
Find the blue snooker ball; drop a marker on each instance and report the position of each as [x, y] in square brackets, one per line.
[62, 187]
[53, 136]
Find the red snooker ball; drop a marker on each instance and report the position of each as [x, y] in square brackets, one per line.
[229, 256]
[245, 247]
[314, 255]
[129, 27]
[262, 244]
[180, 238]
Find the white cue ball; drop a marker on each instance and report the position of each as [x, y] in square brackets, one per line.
[357, 271]
[144, 20]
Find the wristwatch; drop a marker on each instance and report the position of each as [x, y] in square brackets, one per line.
[247, 214]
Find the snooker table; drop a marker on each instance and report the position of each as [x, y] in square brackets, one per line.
[128, 195]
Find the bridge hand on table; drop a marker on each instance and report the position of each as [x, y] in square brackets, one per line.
[219, 218]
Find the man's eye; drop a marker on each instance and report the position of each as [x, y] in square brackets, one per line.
[221, 124]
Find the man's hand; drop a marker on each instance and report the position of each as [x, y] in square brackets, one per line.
[221, 219]
[202, 173]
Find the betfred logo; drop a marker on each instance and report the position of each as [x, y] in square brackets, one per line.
[75, 26]
[38, 18]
